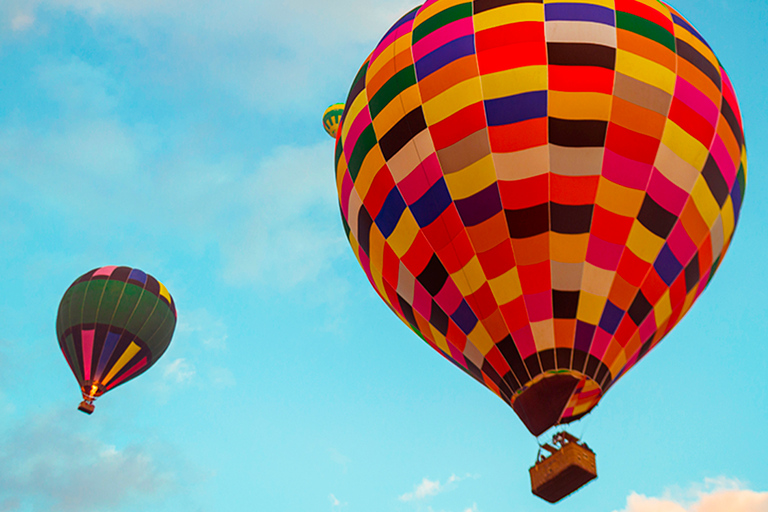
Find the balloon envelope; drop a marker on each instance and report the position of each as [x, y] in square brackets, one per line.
[113, 324]
[332, 118]
[541, 190]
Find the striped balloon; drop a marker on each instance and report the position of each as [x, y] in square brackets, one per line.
[541, 189]
[113, 324]
[332, 118]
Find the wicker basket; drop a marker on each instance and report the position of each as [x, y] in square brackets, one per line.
[563, 472]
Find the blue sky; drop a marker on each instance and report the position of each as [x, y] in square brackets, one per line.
[184, 138]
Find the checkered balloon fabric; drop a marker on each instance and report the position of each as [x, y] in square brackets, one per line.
[541, 190]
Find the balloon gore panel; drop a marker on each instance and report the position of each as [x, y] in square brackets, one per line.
[541, 190]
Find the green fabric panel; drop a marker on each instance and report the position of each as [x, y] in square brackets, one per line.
[69, 344]
[645, 28]
[110, 301]
[346, 225]
[71, 306]
[164, 322]
[144, 308]
[90, 308]
[742, 177]
[124, 310]
[363, 146]
[441, 19]
[402, 80]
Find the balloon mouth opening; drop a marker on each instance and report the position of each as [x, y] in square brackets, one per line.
[555, 399]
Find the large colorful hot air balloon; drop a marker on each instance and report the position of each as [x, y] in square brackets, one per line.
[541, 189]
[113, 324]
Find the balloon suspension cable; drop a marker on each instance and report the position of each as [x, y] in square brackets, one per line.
[86, 405]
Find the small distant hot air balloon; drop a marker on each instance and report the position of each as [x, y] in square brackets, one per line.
[113, 324]
[540, 191]
[332, 118]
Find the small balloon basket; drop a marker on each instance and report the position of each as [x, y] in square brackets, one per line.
[570, 466]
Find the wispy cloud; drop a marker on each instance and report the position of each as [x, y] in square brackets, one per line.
[50, 465]
[429, 487]
[179, 371]
[336, 504]
[714, 495]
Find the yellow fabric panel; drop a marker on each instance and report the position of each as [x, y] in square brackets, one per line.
[406, 101]
[451, 101]
[473, 277]
[729, 222]
[370, 167]
[506, 287]
[514, 81]
[165, 293]
[675, 169]
[404, 234]
[568, 248]
[662, 310]
[684, 145]
[440, 340]
[131, 351]
[643, 243]
[480, 338]
[435, 8]
[472, 179]
[590, 307]
[580, 105]
[376, 255]
[543, 334]
[645, 70]
[619, 199]
[354, 110]
[514, 13]
[705, 202]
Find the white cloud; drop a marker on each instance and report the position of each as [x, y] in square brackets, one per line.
[429, 487]
[335, 502]
[179, 371]
[715, 495]
[49, 464]
[22, 22]
[222, 378]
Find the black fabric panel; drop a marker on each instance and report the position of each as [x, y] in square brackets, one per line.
[577, 134]
[438, 319]
[486, 5]
[364, 223]
[581, 54]
[571, 219]
[403, 132]
[152, 286]
[512, 382]
[510, 353]
[715, 181]
[533, 366]
[492, 374]
[692, 273]
[579, 358]
[407, 312]
[434, 276]
[733, 122]
[355, 90]
[565, 304]
[474, 371]
[593, 364]
[563, 357]
[639, 309]
[528, 222]
[658, 220]
[693, 56]
[120, 274]
[602, 373]
[547, 358]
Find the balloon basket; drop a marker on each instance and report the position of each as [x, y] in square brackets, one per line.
[86, 407]
[567, 469]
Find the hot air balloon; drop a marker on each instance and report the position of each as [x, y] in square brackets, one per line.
[332, 118]
[541, 190]
[113, 324]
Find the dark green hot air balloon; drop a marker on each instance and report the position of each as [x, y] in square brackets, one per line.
[113, 324]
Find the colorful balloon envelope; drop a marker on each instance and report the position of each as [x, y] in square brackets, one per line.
[541, 190]
[113, 324]
[332, 118]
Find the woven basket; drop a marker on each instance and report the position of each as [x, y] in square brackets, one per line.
[563, 472]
